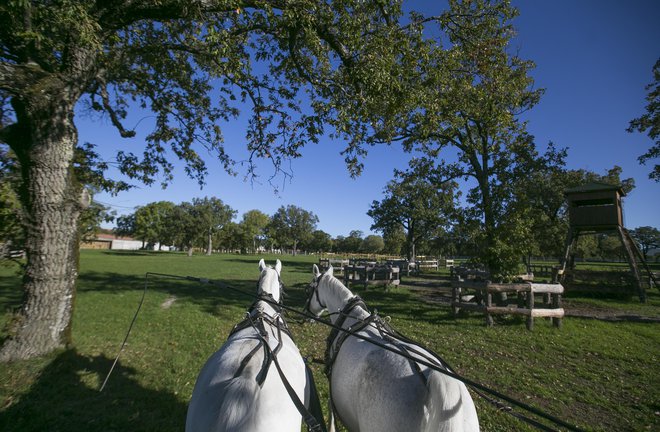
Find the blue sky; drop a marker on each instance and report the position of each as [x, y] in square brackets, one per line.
[594, 58]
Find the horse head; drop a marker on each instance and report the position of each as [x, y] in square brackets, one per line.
[313, 304]
[269, 280]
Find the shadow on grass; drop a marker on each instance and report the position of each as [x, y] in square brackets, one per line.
[136, 253]
[209, 296]
[11, 293]
[626, 294]
[65, 397]
[289, 265]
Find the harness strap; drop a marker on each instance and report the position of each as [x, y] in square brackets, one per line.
[314, 401]
[247, 359]
[313, 424]
[386, 333]
[333, 348]
[337, 337]
[334, 342]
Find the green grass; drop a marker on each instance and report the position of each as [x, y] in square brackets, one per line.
[599, 375]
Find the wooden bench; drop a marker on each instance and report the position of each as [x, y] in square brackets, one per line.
[337, 265]
[427, 264]
[525, 292]
[406, 267]
[371, 275]
[463, 272]
[599, 281]
[544, 271]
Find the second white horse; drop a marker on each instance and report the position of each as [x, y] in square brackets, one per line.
[376, 390]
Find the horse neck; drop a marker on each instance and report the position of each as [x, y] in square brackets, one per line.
[266, 307]
[337, 296]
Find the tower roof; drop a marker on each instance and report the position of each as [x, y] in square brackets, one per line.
[595, 187]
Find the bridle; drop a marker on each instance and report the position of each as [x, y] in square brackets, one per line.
[269, 296]
[312, 291]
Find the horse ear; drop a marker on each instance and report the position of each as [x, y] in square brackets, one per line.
[262, 265]
[330, 271]
[315, 271]
[278, 266]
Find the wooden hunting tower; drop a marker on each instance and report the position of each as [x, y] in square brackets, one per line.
[595, 208]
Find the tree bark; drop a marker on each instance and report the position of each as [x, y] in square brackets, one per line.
[53, 199]
[209, 248]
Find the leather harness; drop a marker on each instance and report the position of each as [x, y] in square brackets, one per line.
[338, 336]
[258, 320]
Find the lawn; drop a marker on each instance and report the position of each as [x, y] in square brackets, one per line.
[596, 374]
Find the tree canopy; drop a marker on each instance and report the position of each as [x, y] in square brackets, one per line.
[150, 222]
[418, 200]
[320, 241]
[650, 123]
[647, 238]
[300, 66]
[253, 226]
[210, 215]
[291, 226]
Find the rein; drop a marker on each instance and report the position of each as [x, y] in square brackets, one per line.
[337, 337]
[314, 421]
[473, 384]
[394, 337]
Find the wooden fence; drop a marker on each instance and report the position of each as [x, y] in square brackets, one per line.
[477, 294]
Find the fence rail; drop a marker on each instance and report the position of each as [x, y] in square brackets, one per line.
[478, 295]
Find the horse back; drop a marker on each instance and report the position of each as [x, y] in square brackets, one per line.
[228, 397]
[377, 390]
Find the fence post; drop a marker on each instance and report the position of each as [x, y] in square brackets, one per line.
[489, 304]
[556, 304]
[530, 306]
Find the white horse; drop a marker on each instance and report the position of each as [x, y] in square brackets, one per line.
[376, 390]
[240, 388]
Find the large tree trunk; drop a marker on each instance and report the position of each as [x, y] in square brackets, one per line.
[209, 248]
[44, 143]
[493, 265]
[411, 237]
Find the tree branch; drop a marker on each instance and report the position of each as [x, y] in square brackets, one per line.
[331, 39]
[114, 15]
[114, 117]
[15, 78]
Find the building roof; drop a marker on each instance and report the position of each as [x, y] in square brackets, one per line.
[110, 237]
[595, 187]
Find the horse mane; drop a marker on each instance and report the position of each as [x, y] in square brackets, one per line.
[338, 288]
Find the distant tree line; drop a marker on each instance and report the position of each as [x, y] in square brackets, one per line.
[208, 224]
